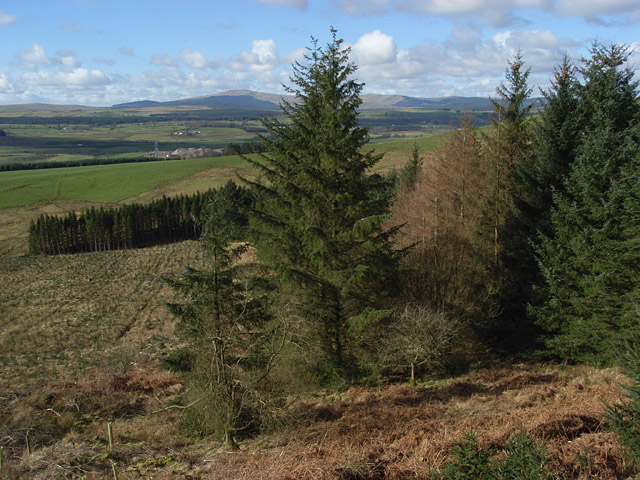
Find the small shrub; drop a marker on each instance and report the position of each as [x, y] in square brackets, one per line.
[524, 460]
[418, 340]
[180, 360]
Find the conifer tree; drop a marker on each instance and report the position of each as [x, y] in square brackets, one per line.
[591, 260]
[534, 177]
[318, 212]
[556, 140]
[508, 146]
[232, 342]
[411, 170]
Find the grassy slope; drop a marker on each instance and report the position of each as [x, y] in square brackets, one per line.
[100, 183]
[81, 339]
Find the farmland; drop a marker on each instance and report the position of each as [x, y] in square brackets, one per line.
[25, 194]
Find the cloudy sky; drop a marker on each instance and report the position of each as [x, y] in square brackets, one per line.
[103, 52]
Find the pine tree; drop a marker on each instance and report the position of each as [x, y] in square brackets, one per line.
[535, 176]
[625, 416]
[556, 140]
[508, 146]
[232, 341]
[318, 211]
[409, 174]
[591, 261]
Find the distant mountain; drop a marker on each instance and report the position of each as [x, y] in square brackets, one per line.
[249, 100]
[231, 100]
[37, 107]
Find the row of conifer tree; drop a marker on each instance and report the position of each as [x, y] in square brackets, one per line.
[130, 226]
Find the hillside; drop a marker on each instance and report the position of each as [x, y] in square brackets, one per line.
[83, 337]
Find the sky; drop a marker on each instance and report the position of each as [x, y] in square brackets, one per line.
[105, 52]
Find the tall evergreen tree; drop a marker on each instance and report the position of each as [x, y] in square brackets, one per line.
[318, 212]
[591, 260]
[556, 140]
[538, 173]
[508, 146]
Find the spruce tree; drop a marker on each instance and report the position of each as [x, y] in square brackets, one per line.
[232, 343]
[538, 173]
[591, 260]
[318, 211]
[508, 146]
[625, 416]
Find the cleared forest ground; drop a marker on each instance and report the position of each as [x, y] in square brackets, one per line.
[81, 343]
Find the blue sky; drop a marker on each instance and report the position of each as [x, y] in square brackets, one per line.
[103, 52]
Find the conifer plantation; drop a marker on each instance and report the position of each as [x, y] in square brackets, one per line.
[169, 219]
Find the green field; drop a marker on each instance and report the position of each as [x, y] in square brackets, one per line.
[46, 136]
[101, 183]
[117, 183]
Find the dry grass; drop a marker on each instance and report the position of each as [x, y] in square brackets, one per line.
[64, 314]
[79, 349]
[401, 432]
[398, 432]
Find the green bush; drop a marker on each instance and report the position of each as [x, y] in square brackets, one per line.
[524, 460]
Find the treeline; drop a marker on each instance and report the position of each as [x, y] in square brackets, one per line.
[529, 229]
[244, 148]
[169, 219]
[87, 162]
[229, 149]
[399, 119]
[75, 120]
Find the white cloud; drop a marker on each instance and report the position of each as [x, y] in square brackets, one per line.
[634, 58]
[124, 50]
[194, 59]
[463, 64]
[69, 61]
[375, 48]
[498, 13]
[262, 57]
[370, 7]
[4, 83]
[595, 8]
[76, 78]
[464, 37]
[162, 60]
[299, 4]
[82, 77]
[33, 57]
[294, 56]
[6, 19]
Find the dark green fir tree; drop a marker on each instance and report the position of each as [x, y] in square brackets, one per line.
[232, 340]
[319, 211]
[508, 146]
[591, 260]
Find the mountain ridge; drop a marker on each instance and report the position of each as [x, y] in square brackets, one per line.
[251, 100]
